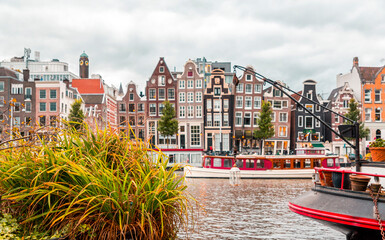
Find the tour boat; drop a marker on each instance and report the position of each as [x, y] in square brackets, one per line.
[351, 212]
[257, 166]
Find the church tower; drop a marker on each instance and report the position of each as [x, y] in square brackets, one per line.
[83, 65]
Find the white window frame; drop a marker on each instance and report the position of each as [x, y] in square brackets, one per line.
[190, 97]
[240, 99]
[199, 111]
[279, 133]
[198, 83]
[248, 99]
[283, 114]
[257, 88]
[312, 122]
[238, 115]
[182, 97]
[181, 84]
[250, 117]
[255, 117]
[250, 88]
[182, 111]
[300, 121]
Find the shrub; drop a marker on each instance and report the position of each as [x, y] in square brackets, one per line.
[99, 185]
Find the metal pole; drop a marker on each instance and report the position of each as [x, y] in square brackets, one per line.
[220, 124]
[357, 147]
[11, 121]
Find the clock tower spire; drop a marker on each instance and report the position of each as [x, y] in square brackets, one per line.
[83, 65]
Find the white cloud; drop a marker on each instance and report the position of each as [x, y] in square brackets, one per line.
[286, 40]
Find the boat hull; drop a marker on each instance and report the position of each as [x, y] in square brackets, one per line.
[349, 212]
[196, 172]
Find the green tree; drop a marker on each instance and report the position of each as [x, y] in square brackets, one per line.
[355, 115]
[76, 116]
[265, 127]
[168, 124]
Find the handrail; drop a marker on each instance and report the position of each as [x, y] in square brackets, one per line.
[348, 171]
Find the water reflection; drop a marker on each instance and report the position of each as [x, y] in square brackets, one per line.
[257, 209]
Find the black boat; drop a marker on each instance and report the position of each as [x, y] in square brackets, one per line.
[357, 214]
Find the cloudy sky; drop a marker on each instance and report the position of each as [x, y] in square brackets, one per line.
[284, 40]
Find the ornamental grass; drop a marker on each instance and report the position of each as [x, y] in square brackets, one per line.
[93, 185]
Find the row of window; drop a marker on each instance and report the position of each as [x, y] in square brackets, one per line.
[43, 94]
[309, 122]
[17, 120]
[190, 97]
[190, 84]
[131, 121]
[161, 94]
[368, 96]
[43, 107]
[249, 88]
[248, 102]
[377, 114]
[189, 112]
[153, 108]
[131, 107]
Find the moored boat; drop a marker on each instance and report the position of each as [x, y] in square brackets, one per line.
[351, 212]
[255, 166]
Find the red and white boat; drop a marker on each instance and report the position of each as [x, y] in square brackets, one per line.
[350, 212]
[255, 166]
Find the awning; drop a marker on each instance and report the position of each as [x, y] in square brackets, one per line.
[318, 145]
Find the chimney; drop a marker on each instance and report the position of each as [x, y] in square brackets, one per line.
[355, 62]
[25, 75]
[67, 82]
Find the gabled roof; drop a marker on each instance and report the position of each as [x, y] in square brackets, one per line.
[333, 95]
[368, 73]
[88, 86]
[5, 72]
[93, 98]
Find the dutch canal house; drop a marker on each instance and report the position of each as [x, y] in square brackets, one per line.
[160, 87]
[306, 130]
[248, 99]
[339, 100]
[190, 107]
[280, 103]
[218, 116]
[131, 112]
[21, 116]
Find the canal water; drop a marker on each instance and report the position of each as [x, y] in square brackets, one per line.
[256, 209]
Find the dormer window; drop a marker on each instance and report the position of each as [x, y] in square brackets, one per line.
[161, 69]
[248, 77]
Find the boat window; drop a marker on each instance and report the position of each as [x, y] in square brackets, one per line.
[307, 163]
[287, 164]
[317, 163]
[227, 163]
[249, 163]
[208, 162]
[217, 162]
[330, 162]
[239, 163]
[297, 163]
[277, 164]
[260, 163]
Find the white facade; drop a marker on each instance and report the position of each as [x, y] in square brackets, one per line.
[53, 70]
[353, 78]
